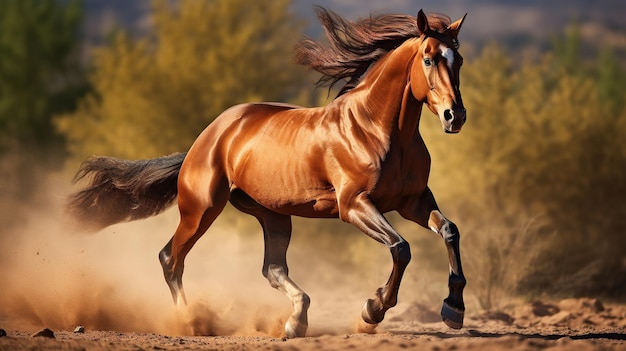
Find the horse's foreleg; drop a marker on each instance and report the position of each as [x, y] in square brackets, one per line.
[363, 214]
[374, 310]
[453, 308]
[426, 213]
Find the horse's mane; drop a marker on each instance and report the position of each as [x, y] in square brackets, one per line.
[355, 46]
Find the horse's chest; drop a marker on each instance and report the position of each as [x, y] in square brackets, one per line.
[402, 176]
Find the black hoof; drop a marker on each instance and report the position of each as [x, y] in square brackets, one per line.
[371, 314]
[453, 317]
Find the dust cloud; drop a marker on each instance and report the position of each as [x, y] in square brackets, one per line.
[111, 280]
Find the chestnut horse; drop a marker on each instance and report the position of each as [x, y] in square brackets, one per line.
[356, 158]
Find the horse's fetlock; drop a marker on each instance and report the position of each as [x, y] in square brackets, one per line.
[457, 282]
[275, 275]
[305, 301]
[392, 302]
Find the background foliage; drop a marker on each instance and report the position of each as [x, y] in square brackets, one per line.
[535, 180]
[153, 96]
[40, 76]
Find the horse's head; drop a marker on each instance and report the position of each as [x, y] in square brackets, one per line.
[435, 73]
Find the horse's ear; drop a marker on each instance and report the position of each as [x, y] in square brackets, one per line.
[454, 28]
[422, 22]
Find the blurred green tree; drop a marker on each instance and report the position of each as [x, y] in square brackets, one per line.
[40, 76]
[39, 71]
[154, 96]
[567, 49]
[611, 79]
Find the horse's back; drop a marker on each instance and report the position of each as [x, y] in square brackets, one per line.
[233, 125]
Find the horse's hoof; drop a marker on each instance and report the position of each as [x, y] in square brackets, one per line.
[295, 330]
[453, 317]
[369, 315]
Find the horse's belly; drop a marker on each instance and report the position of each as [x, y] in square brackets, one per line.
[323, 206]
[314, 203]
[287, 185]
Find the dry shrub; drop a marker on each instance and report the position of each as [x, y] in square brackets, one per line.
[500, 257]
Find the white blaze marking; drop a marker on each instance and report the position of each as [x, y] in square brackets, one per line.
[448, 55]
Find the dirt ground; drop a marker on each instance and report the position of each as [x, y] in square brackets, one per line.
[572, 324]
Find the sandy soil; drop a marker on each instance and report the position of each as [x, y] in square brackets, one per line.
[573, 324]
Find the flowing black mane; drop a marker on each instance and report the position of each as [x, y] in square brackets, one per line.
[355, 46]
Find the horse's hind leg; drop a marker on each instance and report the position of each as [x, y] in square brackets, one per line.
[196, 216]
[277, 234]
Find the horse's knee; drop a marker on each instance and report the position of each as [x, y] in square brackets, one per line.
[438, 223]
[449, 231]
[453, 230]
[401, 253]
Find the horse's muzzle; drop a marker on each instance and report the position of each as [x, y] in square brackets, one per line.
[453, 120]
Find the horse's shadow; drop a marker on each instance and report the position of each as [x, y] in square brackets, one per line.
[549, 336]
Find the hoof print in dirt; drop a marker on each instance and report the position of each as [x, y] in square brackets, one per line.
[79, 329]
[45, 333]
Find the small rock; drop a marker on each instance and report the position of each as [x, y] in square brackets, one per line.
[46, 333]
[79, 329]
[557, 319]
[3, 333]
[496, 316]
[541, 309]
[582, 305]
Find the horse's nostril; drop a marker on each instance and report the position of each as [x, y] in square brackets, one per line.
[447, 115]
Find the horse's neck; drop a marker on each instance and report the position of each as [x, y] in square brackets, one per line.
[386, 95]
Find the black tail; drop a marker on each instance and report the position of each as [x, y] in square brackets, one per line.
[121, 190]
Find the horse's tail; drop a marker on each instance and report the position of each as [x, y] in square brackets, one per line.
[121, 190]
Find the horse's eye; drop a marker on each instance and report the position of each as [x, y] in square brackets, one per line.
[427, 62]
